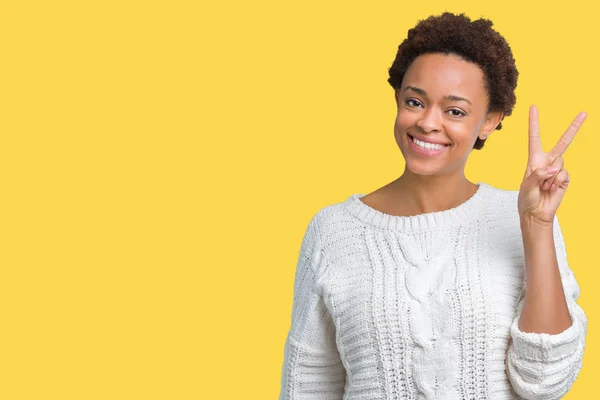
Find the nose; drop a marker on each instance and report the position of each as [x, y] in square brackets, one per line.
[429, 120]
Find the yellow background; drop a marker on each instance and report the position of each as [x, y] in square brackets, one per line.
[160, 162]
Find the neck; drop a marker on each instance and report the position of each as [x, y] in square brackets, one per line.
[432, 193]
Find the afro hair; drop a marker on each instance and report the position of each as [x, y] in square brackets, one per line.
[473, 41]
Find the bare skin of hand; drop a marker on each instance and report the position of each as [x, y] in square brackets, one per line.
[544, 184]
[546, 180]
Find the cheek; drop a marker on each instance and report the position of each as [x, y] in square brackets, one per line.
[404, 120]
[402, 125]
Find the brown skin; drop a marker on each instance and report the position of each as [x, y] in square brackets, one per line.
[438, 183]
[545, 307]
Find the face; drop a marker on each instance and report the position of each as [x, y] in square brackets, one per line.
[442, 100]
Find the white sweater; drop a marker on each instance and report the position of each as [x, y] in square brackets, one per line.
[423, 307]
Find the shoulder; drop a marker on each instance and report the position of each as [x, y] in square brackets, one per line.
[499, 195]
[501, 217]
[333, 219]
[501, 203]
[337, 229]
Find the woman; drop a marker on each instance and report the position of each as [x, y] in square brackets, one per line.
[433, 287]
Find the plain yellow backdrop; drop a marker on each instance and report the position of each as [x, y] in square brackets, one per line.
[160, 161]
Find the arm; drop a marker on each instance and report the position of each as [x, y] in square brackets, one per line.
[312, 366]
[548, 332]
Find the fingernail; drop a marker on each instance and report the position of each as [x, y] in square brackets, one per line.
[552, 170]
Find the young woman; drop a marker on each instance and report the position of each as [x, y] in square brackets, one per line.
[434, 287]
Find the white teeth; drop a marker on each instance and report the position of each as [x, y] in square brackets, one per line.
[428, 145]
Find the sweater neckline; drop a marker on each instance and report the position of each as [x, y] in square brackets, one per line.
[464, 212]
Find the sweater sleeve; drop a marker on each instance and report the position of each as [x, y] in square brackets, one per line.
[545, 366]
[312, 366]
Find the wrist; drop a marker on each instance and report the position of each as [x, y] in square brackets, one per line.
[535, 224]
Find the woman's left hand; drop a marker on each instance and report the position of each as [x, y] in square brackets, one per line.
[545, 181]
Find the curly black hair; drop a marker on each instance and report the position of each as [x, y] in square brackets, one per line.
[473, 41]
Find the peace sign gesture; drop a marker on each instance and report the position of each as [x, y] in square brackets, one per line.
[545, 181]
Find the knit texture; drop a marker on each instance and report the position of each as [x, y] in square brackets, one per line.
[423, 307]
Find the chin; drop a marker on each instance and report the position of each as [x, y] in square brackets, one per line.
[418, 168]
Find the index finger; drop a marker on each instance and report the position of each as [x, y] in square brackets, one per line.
[567, 137]
[535, 142]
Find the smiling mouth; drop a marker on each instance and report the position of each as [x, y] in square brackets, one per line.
[433, 144]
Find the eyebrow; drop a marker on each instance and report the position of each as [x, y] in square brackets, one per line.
[449, 97]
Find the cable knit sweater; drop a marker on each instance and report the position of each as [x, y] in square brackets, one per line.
[423, 307]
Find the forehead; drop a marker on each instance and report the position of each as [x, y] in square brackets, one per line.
[440, 75]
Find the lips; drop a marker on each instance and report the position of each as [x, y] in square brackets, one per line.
[427, 141]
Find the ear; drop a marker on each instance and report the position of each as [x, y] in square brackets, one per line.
[397, 97]
[492, 119]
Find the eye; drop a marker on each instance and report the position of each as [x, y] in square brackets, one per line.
[412, 103]
[457, 113]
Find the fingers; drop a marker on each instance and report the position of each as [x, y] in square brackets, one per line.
[567, 137]
[559, 179]
[558, 163]
[562, 180]
[542, 174]
[535, 142]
